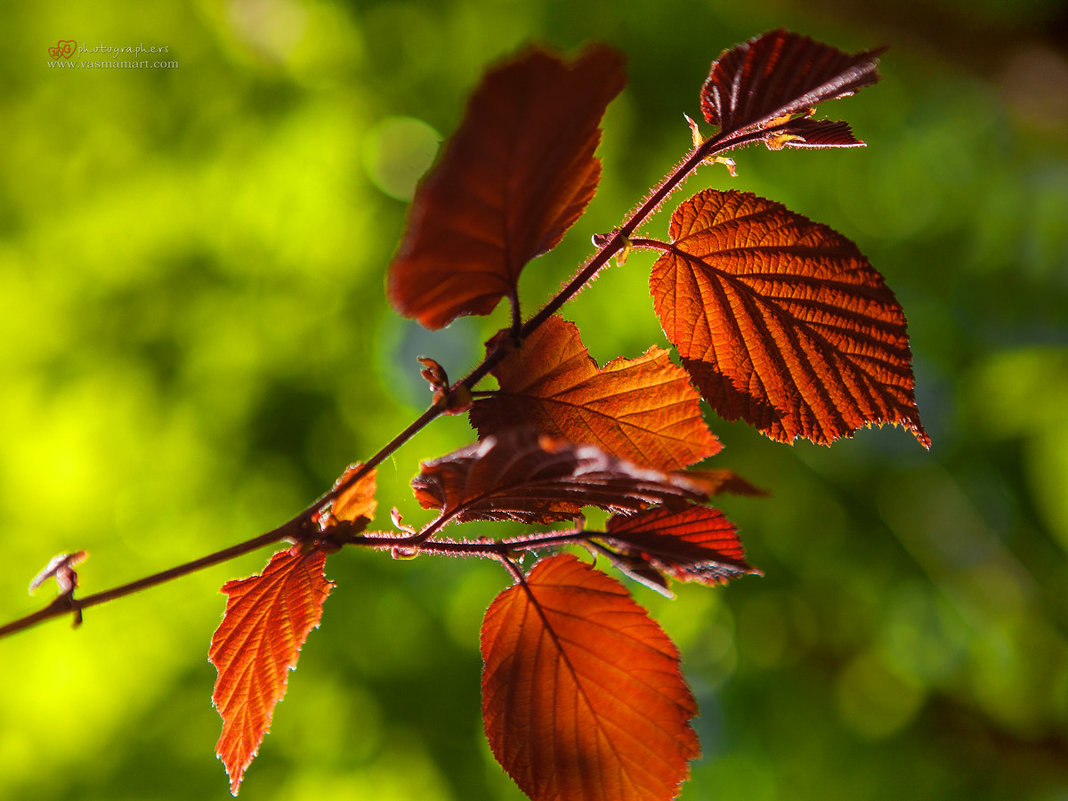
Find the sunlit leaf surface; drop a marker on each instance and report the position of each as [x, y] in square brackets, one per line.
[514, 177]
[524, 475]
[770, 78]
[695, 544]
[268, 617]
[643, 410]
[782, 322]
[582, 697]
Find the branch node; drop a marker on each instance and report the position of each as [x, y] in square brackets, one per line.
[66, 602]
[61, 568]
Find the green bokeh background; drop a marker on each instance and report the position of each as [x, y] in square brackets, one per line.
[194, 342]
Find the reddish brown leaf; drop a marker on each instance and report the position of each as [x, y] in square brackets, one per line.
[513, 178]
[356, 503]
[782, 322]
[804, 132]
[772, 77]
[267, 619]
[695, 544]
[635, 566]
[524, 475]
[643, 410]
[582, 697]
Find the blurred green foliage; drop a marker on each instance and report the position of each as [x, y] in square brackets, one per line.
[194, 342]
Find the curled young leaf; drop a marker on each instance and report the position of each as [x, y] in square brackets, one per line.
[61, 568]
[770, 78]
[695, 544]
[435, 375]
[782, 322]
[522, 474]
[513, 178]
[450, 401]
[643, 410]
[267, 619]
[582, 697]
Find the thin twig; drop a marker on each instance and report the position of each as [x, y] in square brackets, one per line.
[297, 527]
[66, 604]
[485, 548]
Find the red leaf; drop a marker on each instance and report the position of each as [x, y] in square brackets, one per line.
[513, 178]
[643, 410]
[772, 77]
[267, 619]
[582, 697]
[696, 544]
[635, 566]
[804, 132]
[782, 322]
[523, 475]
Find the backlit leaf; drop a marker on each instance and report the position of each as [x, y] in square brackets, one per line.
[513, 178]
[582, 697]
[356, 503]
[695, 544]
[521, 474]
[804, 132]
[766, 80]
[635, 566]
[268, 617]
[643, 410]
[782, 322]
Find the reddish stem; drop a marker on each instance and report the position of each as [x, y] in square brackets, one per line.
[298, 527]
[479, 548]
[67, 603]
[615, 242]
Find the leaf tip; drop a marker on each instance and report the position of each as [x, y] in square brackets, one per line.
[921, 435]
[267, 620]
[235, 773]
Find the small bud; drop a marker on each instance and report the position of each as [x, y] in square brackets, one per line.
[434, 374]
[61, 569]
[726, 162]
[698, 140]
[398, 523]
